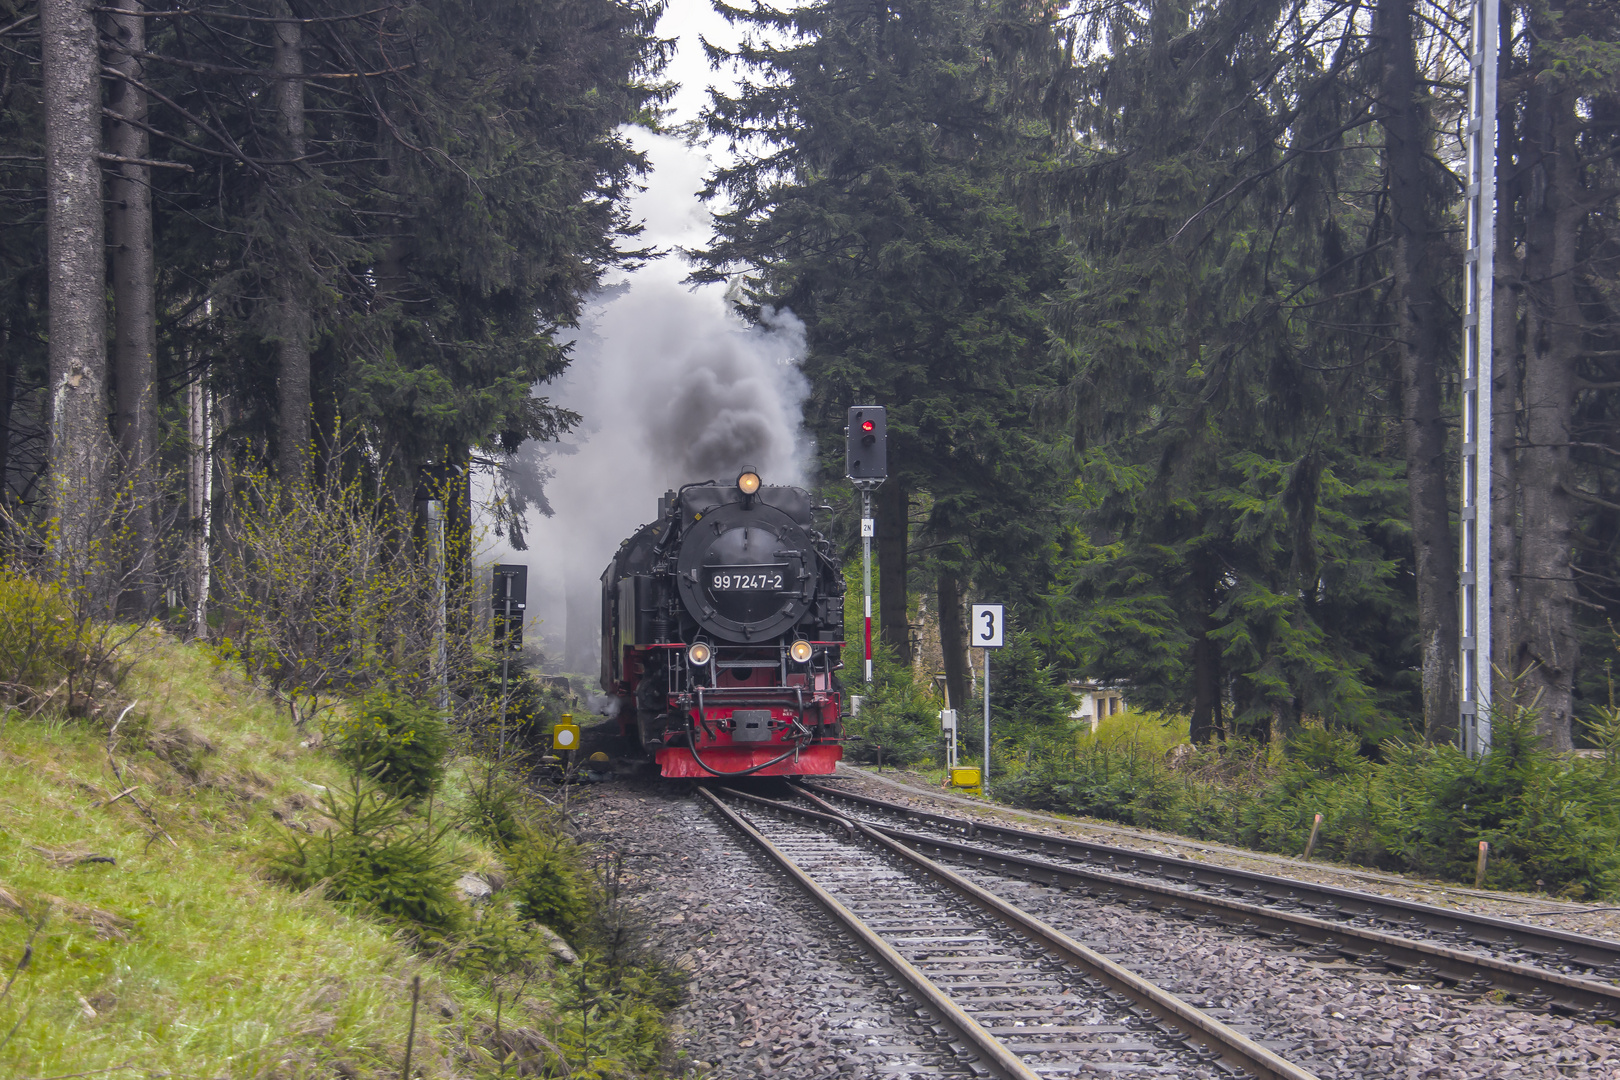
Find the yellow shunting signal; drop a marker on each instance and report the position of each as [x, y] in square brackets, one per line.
[565, 734]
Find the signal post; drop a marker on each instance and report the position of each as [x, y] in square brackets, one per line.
[866, 464]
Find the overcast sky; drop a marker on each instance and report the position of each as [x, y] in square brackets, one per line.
[690, 20]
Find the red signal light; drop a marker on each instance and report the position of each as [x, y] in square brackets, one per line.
[868, 426]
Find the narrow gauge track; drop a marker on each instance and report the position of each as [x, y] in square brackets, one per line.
[1420, 940]
[1019, 998]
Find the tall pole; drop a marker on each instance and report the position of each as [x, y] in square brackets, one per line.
[984, 778]
[1479, 260]
[506, 654]
[866, 570]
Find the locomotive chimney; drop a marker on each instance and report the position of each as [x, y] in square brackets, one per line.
[665, 501]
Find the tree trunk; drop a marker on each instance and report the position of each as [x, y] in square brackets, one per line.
[292, 302]
[135, 313]
[78, 448]
[6, 392]
[1421, 316]
[1205, 720]
[458, 536]
[1549, 649]
[199, 498]
[953, 640]
[1507, 278]
[893, 528]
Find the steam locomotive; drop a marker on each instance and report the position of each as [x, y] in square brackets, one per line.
[721, 634]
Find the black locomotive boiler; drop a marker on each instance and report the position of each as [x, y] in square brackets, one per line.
[722, 627]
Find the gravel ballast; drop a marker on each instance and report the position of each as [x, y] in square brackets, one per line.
[1599, 920]
[775, 989]
[1334, 1019]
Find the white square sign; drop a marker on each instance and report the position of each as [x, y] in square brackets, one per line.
[986, 629]
[866, 527]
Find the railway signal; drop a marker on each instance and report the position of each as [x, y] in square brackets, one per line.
[989, 630]
[866, 453]
[509, 594]
[866, 462]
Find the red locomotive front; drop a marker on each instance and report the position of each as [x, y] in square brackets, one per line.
[721, 628]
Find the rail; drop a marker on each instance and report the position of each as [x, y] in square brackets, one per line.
[1207, 893]
[1195, 1026]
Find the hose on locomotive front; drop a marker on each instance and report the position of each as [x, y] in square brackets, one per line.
[743, 772]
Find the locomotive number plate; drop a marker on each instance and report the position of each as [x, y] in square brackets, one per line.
[748, 578]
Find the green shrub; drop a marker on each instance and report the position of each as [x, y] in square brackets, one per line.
[496, 941]
[546, 880]
[53, 652]
[1552, 821]
[381, 856]
[495, 807]
[532, 707]
[36, 637]
[899, 717]
[399, 743]
[1130, 787]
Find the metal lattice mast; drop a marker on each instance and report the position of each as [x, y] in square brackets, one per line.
[1479, 261]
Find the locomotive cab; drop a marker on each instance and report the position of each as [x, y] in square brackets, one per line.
[721, 631]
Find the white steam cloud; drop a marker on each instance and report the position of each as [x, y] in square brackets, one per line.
[673, 387]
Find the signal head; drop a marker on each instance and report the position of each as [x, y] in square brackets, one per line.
[866, 459]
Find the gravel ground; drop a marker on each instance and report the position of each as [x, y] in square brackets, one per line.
[1599, 921]
[775, 989]
[1347, 1022]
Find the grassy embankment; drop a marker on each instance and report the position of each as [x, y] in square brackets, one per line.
[1552, 821]
[145, 933]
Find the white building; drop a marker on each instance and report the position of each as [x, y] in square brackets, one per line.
[1092, 701]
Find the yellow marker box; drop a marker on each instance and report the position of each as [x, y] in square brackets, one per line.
[565, 734]
[964, 778]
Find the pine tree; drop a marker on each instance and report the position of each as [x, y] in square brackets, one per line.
[1236, 547]
[876, 196]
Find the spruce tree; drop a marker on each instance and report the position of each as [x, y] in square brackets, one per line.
[875, 193]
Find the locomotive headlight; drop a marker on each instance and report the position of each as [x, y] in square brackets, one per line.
[800, 651]
[699, 654]
[748, 482]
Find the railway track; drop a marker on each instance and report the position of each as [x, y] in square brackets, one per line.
[1015, 997]
[1543, 968]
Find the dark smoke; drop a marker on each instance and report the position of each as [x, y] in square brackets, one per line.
[674, 387]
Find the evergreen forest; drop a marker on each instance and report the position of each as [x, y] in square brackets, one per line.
[1164, 300]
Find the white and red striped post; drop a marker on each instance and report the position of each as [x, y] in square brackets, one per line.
[866, 569]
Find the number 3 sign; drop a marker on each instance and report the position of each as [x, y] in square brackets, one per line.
[988, 620]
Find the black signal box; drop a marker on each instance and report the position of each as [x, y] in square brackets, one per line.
[509, 595]
[866, 457]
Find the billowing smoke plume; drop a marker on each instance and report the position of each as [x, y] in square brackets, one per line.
[673, 387]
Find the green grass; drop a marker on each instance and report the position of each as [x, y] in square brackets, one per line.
[183, 957]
